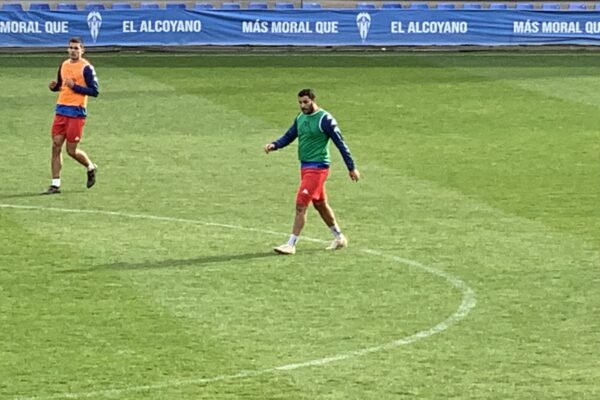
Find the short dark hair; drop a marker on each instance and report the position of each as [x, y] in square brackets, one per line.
[76, 39]
[307, 92]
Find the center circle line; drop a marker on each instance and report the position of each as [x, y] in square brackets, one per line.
[467, 304]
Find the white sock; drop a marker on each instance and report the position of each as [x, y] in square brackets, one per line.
[292, 240]
[335, 230]
[91, 166]
[56, 182]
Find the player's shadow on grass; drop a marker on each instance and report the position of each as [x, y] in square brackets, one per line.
[35, 194]
[198, 261]
[20, 195]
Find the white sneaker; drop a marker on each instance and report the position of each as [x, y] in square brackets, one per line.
[338, 243]
[285, 249]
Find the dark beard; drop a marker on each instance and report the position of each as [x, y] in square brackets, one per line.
[310, 110]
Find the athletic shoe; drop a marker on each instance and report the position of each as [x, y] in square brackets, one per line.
[285, 249]
[338, 243]
[91, 175]
[52, 190]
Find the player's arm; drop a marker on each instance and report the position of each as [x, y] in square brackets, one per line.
[57, 84]
[91, 83]
[330, 127]
[283, 141]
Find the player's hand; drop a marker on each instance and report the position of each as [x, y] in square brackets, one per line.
[354, 175]
[269, 147]
[70, 82]
[52, 85]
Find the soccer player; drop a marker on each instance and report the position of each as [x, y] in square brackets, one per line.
[314, 127]
[75, 82]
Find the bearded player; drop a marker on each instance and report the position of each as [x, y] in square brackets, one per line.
[314, 128]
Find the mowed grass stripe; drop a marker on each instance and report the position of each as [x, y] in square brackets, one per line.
[487, 145]
[182, 294]
[525, 262]
[475, 190]
[83, 327]
[523, 272]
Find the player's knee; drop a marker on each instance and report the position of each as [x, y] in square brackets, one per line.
[301, 208]
[319, 204]
[72, 151]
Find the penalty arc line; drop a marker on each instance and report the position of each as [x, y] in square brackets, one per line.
[467, 304]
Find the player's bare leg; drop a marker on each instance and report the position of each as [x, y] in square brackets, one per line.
[299, 222]
[326, 213]
[57, 143]
[78, 155]
[56, 164]
[82, 158]
[300, 219]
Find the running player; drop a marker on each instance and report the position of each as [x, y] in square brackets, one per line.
[75, 82]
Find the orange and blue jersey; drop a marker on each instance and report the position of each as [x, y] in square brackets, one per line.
[72, 102]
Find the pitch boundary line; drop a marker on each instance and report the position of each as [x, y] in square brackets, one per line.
[467, 304]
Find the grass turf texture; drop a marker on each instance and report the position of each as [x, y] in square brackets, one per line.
[484, 166]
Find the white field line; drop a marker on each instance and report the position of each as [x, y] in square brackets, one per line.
[467, 304]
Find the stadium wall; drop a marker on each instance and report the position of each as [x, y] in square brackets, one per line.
[299, 27]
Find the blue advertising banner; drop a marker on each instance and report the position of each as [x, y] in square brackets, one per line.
[324, 27]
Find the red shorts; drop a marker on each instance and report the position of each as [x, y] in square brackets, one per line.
[312, 186]
[71, 128]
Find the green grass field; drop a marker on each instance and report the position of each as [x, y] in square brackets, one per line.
[473, 266]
